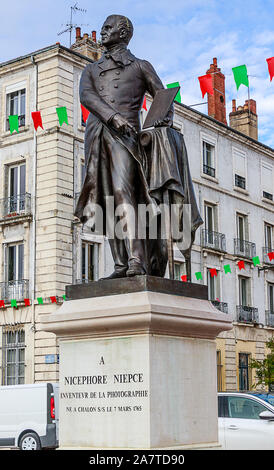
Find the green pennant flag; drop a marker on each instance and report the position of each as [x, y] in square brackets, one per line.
[240, 76]
[64, 297]
[178, 96]
[13, 303]
[227, 268]
[40, 300]
[14, 123]
[62, 115]
[256, 260]
[198, 276]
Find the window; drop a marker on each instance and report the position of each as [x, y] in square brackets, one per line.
[13, 357]
[16, 105]
[90, 261]
[208, 159]
[17, 188]
[244, 408]
[219, 371]
[267, 181]
[179, 270]
[244, 372]
[213, 286]
[242, 232]
[268, 235]
[244, 294]
[239, 181]
[15, 262]
[239, 161]
[271, 297]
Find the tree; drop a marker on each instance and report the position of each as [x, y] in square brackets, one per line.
[265, 368]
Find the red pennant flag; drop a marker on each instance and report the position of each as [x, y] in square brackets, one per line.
[241, 265]
[144, 106]
[184, 278]
[270, 63]
[213, 272]
[206, 84]
[270, 255]
[2, 303]
[27, 302]
[85, 113]
[53, 299]
[37, 120]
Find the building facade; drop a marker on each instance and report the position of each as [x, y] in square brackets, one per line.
[43, 247]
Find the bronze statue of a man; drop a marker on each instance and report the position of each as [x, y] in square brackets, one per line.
[113, 90]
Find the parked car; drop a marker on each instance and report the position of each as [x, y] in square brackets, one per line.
[245, 422]
[29, 416]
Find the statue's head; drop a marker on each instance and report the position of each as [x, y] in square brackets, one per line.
[117, 29]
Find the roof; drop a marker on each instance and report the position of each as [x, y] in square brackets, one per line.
[45, 49]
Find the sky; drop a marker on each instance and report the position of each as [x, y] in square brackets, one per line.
[179, 37]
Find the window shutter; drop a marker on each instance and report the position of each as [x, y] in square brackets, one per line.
[239, 164]
[267, 178]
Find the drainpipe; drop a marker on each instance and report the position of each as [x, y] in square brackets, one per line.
[34, 177]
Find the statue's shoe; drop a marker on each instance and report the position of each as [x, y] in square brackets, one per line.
[135, 270]
[115, 275]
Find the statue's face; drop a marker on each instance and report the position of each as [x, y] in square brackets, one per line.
[110, 33]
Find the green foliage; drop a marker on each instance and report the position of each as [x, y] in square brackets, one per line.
[265, 368]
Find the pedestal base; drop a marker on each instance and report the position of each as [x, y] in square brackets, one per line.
[138, 371]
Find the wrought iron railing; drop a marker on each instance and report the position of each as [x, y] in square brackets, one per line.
[247, 314]
[15, 205]
[208, 170]
[240, 181]
[244, 248]
[269, 318]
[266, 258]
[267, 195]
[18, 289]
[214, 240]
[222, 306]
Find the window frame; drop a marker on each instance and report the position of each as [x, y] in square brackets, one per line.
[8, 106]
[212, 141]
[16, 346]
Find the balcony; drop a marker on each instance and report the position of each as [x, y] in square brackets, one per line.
[244, 249]
[269, 318]
[15, 206]
[213, 240]
[266, 250]
[208, 170]
[18, 290]
[247, 314]
[222, 306]
[240, 182]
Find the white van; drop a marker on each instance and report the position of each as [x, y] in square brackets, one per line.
[29, 416]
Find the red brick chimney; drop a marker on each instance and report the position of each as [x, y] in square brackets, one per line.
[216, 102]
[78, 33]
[93, 36]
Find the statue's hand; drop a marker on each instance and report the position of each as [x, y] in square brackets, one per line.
[167, 122]
[121, 125]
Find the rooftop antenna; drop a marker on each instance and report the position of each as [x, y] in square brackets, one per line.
[70, 25]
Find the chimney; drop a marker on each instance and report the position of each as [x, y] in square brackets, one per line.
[78, 33]
[216, 102]
[244, 118]
[87, 45]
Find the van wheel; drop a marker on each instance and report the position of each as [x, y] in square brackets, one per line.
[30, 441]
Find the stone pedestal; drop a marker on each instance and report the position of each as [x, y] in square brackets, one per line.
[137, 369]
